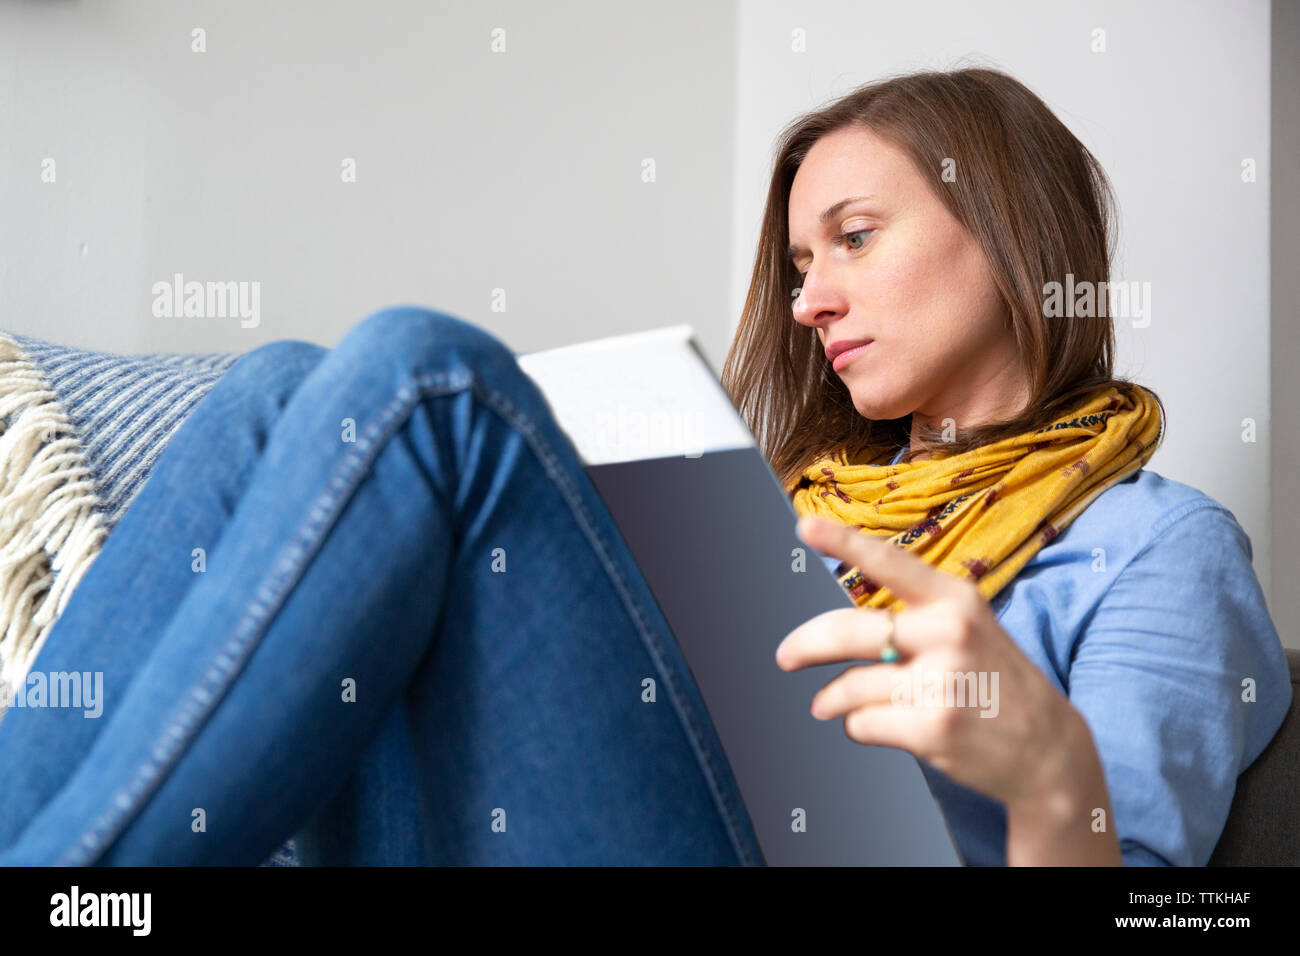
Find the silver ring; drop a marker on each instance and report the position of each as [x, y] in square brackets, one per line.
[889, 652]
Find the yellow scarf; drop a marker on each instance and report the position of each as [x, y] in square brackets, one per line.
[983, 514]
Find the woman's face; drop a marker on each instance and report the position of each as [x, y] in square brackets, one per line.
[898, 269]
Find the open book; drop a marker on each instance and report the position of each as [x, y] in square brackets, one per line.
[713, 532]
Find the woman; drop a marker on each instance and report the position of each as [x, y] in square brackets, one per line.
[1138, 671]
[418, 638]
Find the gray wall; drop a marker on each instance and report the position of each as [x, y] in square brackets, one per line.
[476, 170]
[1285, 355]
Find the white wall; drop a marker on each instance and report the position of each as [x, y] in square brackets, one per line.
[476, 170]
[1177, 100]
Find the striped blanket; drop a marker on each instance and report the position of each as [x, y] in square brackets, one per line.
[81, 432]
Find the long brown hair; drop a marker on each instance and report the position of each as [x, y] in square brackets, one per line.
[1032, 195]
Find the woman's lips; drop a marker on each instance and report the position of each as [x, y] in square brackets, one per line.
[847, 356]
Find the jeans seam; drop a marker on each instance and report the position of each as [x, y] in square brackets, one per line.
[196, 709]
[289, 566]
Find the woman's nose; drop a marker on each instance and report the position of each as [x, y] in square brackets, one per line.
[812, 305]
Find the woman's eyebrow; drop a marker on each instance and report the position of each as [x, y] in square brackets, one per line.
[828, 213]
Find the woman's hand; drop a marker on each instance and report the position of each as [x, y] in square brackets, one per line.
[962, 696]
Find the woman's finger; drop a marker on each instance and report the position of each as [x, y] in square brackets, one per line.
[906, 575]
[859, 686]
[880, 725]
[855, 633]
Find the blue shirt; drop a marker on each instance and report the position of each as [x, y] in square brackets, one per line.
[1146, 612]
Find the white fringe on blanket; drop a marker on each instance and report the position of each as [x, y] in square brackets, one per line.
[50, 530]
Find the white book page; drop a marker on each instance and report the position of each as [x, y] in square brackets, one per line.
[637, 396]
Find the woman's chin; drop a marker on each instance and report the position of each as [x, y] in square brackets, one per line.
[878, 408]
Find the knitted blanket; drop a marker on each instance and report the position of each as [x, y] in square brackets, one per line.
[80, 432]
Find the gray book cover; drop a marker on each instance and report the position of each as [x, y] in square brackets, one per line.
[653, 426]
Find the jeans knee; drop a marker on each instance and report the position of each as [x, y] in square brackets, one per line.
[421, 339]
[284, 358]
[265, 377]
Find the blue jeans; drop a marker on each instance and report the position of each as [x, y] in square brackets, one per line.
[413, 635]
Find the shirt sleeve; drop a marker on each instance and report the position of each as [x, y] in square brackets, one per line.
[1182, 680]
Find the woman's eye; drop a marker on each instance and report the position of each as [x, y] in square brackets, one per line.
[845, 237]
